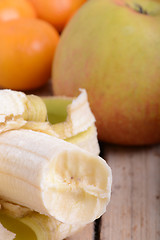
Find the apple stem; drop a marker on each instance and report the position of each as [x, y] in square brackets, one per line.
[140, 9]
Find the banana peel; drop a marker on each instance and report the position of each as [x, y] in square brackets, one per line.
[63, 117]
[69, 119]
[5, 234]
[36, 226]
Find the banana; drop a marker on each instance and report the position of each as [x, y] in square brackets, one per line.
[53, 186]
[40, 171]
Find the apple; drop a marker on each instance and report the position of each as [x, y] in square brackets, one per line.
[112, 48]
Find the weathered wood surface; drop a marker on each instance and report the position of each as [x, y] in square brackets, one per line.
[85, 234]
[134, 210]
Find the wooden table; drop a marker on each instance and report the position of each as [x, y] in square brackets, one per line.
[134, 210]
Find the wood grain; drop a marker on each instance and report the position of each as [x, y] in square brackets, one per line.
[134, 210]
[87, 233]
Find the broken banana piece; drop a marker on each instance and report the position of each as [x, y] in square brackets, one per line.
[53, 177]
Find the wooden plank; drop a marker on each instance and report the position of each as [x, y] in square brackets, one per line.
[134, 210]
[87, 233]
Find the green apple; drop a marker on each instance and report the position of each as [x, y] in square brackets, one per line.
[112, 48]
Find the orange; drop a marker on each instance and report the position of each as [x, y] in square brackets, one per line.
[13, 9]
[27, 49]
[57, 12]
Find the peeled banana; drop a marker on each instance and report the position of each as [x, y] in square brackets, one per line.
[61, 186]
[38, 169]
